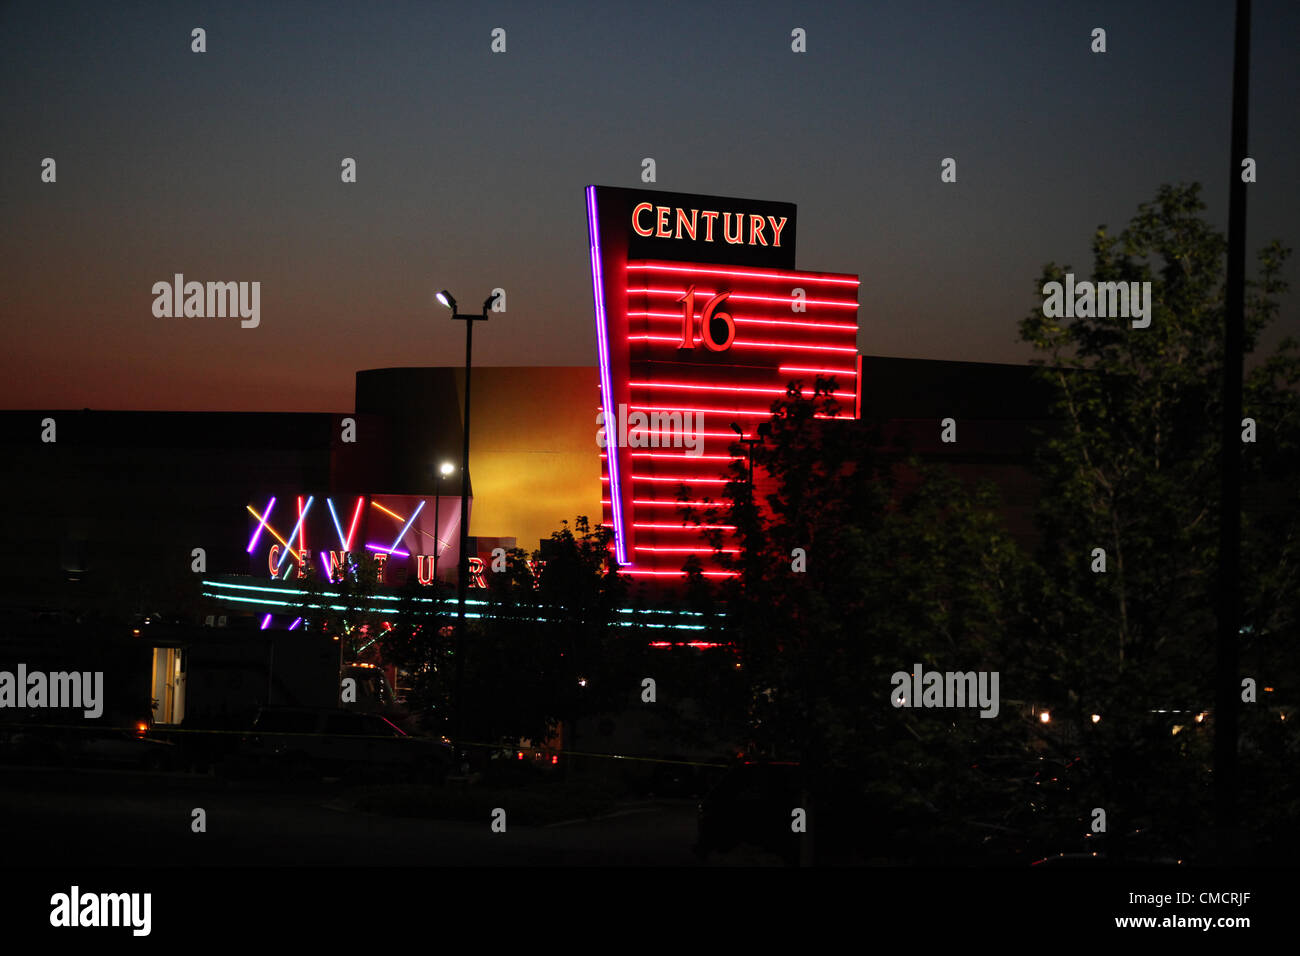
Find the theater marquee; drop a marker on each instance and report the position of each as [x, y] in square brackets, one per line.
[701, 319]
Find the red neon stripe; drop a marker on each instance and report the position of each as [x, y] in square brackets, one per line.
[707, 574]
[662, 504]
[715, 410]
[692, 270]
[672, 434]
[684, 527]
[742, 297]
[685, 644]
[835, 326]
[301, 530]
[738, 344]
[651, 454]
[686, 481]
[702, 549]
[726, 388]
[655, 501]
[356, 516]
[826, 371]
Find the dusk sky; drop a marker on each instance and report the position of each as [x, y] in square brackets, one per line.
[225, 166]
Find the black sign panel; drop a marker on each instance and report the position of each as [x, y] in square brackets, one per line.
[683, 227]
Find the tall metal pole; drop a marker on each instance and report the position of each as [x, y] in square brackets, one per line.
[462, 582]
[1229, 604]
[462, 573]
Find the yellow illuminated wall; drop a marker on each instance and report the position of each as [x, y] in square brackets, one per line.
[533, 458]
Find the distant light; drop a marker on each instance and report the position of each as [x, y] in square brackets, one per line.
[555, 758]
[1045, 717]
[446, 468]
[141, 728]
[582, 682]
[1096, 718]
[521, 755]
[1200, 717]
[1177, 728]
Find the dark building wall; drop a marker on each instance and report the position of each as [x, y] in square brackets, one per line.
[422, 411]
[998, 411]
[107, 516]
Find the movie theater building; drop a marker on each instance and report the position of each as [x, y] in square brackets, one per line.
[701, 316]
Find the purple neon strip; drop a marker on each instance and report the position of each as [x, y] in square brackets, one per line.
[606, 392]
[324, 560]
[376, 547]
[409, 522]
[266, 622]
[294, 533]
[296, 622]
[261, 524]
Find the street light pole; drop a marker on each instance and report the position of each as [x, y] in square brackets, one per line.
[462, 582]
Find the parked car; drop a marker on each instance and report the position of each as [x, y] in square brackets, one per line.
[126, 748]
[89, 746]
[304, 743]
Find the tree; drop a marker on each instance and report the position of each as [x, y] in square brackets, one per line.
[1132, 478]
[345, 608]
[858, 564]
[540, 648]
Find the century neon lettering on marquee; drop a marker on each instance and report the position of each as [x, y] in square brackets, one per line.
[284, 560]
[661, 228]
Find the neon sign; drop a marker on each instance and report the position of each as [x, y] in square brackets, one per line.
[701, 312]
[397, 531]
